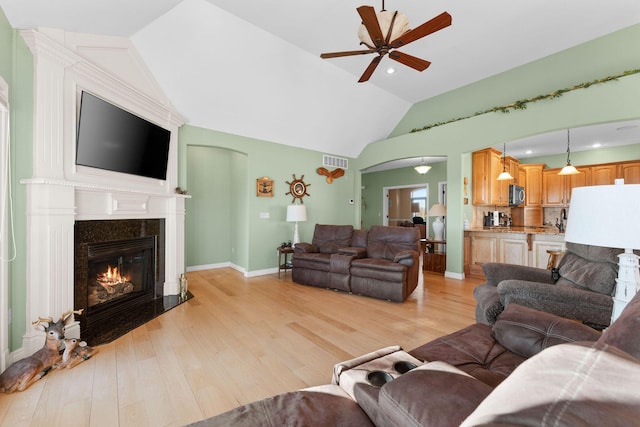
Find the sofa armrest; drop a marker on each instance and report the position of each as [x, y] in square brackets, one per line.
[527, 332]
[406, 257]
[355, 251]
[305, 248]
[496, 272]
[573, 303]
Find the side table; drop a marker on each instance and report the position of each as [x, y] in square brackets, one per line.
[432, 259]
[284, 264]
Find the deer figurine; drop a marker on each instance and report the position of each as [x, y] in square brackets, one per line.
[75, 352]
[24, 372]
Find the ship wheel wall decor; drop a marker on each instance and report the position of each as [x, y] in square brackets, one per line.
[297, 189]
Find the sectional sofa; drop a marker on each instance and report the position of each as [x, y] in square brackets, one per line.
[530, 368]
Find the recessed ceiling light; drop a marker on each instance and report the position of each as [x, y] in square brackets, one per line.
[528, 152]
[596, 145]
[391, 70]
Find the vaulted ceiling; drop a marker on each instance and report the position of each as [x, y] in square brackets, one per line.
[253, 68]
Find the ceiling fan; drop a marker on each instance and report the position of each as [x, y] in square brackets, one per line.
[396, 26]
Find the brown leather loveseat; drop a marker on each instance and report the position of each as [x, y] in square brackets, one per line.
[382, 262]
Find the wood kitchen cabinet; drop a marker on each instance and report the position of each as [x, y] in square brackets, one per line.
[603, 174]
[630, 172]
[532, 183]
[487, 164]
[556, 189]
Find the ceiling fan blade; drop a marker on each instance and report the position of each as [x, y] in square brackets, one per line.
[345, 53]
[370, 21]
[370, 69]
[409, 60]
[435, 24]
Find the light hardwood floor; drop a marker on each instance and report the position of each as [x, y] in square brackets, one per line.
[239, 340]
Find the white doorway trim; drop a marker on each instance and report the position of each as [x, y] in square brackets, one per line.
[385, 198]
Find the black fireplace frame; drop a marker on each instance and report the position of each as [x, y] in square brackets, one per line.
[101, 325]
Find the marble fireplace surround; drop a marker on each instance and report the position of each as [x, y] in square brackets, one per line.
[60, 193]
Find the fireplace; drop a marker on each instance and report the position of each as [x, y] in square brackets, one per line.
[70, 206]
[119, 272]
[120, 275]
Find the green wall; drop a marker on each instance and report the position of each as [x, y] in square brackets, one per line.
[233, 224]
[16, 67]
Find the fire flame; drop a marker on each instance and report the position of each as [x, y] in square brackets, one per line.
[111, 277]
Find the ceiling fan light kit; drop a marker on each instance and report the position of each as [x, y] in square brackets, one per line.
[384, 32]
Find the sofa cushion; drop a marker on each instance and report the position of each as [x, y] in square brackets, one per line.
[526, 331]
[435, 394]
[330, 238]
[568, 385]
[385, 242]
[623, 332]
[474, 351]
[589, 267]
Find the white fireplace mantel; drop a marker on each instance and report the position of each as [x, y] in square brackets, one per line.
[60, 192]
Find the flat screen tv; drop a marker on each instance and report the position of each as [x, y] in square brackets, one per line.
[113, 139]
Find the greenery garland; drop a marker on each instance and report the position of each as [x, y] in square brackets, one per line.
[522, 103]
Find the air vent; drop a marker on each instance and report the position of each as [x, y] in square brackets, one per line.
[335, 162]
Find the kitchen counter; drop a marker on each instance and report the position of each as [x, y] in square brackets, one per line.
[512, 245]
[526, 230]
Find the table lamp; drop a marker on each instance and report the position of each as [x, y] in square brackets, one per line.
[296, 213]
[607, 215]
[438, 210]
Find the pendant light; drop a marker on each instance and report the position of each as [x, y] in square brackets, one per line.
[504, 175]
[569, 169]
[422, 168]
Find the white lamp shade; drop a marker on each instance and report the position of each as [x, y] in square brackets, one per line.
[296, 213]
[605, 215]
[437, 210]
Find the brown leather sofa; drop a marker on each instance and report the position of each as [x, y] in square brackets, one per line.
[382, 262]
[583, 289]
[529, 368]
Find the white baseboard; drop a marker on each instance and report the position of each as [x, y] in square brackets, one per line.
[451, 275]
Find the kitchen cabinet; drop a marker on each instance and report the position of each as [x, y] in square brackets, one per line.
[513, 250]
[630, 172]
[486, 165]
[532, 183]
[556, 189]
[603, 174]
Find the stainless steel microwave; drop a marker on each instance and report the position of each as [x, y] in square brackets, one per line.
[516, 195]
